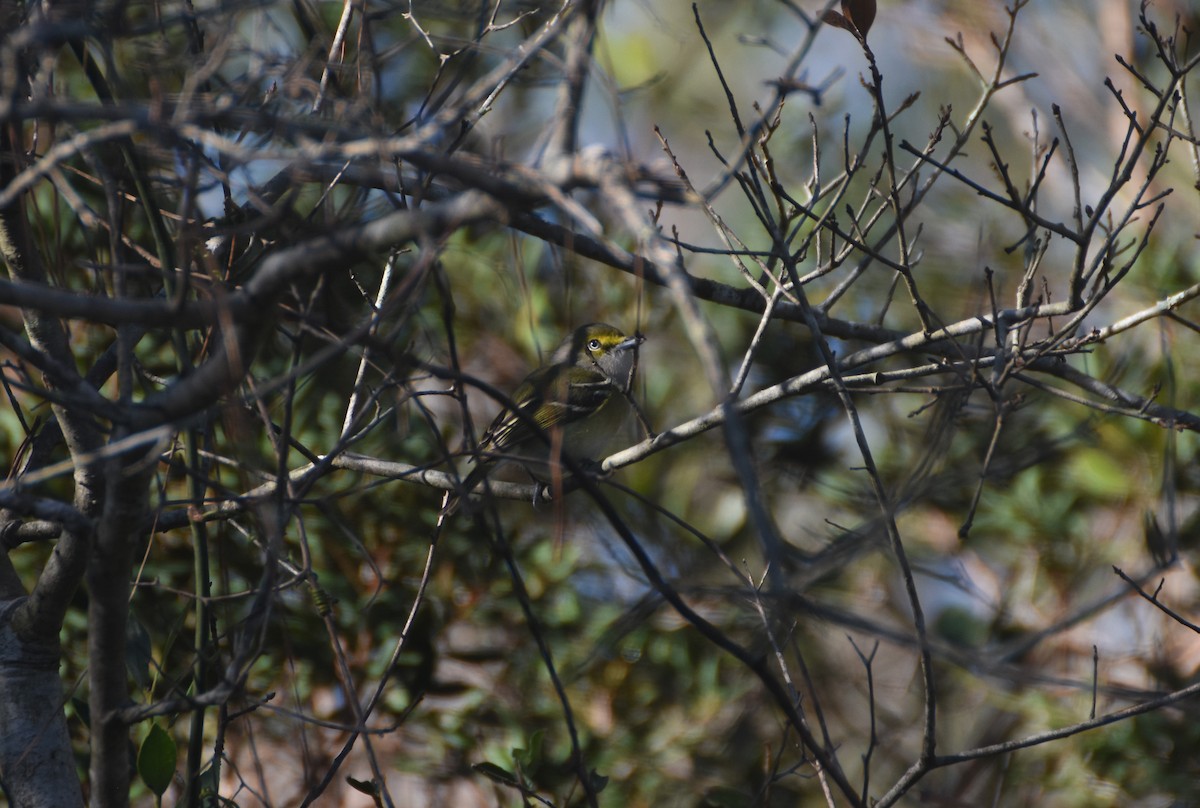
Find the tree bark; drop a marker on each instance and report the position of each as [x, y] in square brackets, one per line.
[125, 507]
[37, 766]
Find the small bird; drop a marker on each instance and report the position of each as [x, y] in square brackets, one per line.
[566, 406]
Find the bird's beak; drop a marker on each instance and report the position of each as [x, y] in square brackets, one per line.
[631, 342]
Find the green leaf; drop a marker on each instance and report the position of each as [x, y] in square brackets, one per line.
[364, 786]
[494, 772]
[156, 759]
[210, 789]
[528, 758]
[368, 787]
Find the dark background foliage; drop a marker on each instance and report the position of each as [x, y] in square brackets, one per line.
[917, 287]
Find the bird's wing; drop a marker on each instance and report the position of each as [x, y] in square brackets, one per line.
[546, 399]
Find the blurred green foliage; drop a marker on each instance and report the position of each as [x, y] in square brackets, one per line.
[660, 712]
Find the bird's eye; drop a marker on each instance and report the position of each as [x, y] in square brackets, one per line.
[593, 345]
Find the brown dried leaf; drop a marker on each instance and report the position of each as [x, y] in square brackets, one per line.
[860, 14]
[836, 20]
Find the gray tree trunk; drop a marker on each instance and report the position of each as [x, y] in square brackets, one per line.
[37, 766]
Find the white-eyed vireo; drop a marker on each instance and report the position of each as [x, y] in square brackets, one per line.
[570, 405]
